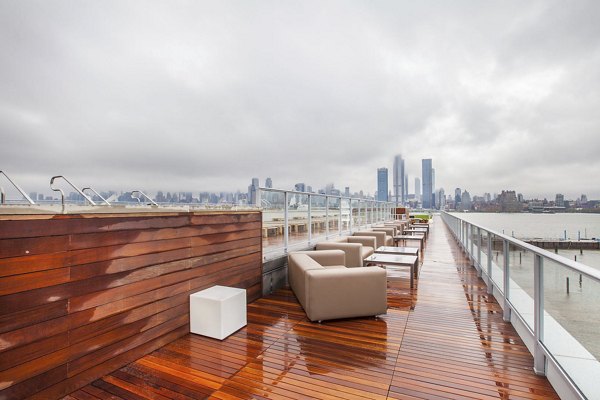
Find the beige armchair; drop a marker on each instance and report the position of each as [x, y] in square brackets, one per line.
[390, 232]
[381, 238]
[356, 248]
[328, 290]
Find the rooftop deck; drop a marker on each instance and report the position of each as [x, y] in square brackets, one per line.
[445, 339]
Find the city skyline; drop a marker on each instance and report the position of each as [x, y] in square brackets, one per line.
[178, 96]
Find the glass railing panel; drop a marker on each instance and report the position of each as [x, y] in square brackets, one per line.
[521, 287]
[498, 262]
[298, 220]
[318, 217]
[272, 220]
[469, 232]
[475, 240]
[484, 250]
[572, 323]
[345, 210]
[334, 216]
[355, 215]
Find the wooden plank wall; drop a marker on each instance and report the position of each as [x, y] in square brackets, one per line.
[83, 295]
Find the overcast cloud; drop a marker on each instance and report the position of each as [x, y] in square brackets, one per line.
[198, 95]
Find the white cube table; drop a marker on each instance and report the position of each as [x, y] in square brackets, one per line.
[218, 311]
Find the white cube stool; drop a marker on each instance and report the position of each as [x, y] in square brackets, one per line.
[218, 311]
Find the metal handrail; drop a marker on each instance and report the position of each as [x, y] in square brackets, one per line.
[573, 265]
[143, 194]
[97, 194]
[324, 195]
[3, 194]
[545, 360]
[62, 193]
[374, 211]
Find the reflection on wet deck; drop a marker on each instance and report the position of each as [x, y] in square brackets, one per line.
[443, 340]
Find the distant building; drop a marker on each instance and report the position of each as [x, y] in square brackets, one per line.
[268, 183]
[252, 191]
[427, 176]
[457, 197]
[347, 191]
[465, 201]
[584, 199]
[300, 187]
[398, 180]
[382, 184]
[417, 189]
[441, 199]
[509, 202]
[560, 200]
[405, 187]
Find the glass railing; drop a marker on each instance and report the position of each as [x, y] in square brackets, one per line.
[298, 220]
[552, 301]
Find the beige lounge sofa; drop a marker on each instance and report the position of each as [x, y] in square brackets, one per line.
[328, 290]
[381, 238]
[357, 248]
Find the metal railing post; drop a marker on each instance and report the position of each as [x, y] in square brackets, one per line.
[539, 359]
[309, 219]
[506, 283]
[326, 216]
[479, 252]
[340, 216]
[350, 218]
[471, 252]
[285, 222]
[490, 283]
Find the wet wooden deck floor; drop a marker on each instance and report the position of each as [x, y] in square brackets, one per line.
[443, 340]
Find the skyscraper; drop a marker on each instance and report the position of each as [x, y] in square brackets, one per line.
[417, 189]
[252, 189]
[382, 184]
[269, 183]
[398, 180]
[427, 177]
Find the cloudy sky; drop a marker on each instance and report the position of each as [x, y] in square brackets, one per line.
[205, 95]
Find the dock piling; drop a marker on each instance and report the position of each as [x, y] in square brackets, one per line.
[567, 285]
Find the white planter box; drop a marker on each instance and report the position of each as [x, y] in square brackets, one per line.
[218, 311]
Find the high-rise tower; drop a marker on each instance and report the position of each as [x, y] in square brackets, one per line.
[417, 189]
[398, 180]
[427, 183]
[382, 184]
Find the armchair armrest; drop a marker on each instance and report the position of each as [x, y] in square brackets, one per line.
[326, 257]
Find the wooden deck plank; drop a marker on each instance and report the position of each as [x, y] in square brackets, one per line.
[445, 339]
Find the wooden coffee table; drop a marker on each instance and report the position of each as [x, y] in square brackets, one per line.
[390, 261]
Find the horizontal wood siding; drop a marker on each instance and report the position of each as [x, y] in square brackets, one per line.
[83, 295]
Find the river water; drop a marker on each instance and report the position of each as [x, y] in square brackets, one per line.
[544, 226]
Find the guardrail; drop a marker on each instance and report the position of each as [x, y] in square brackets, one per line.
[3, 194]
[551, 301]
[294, 220]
